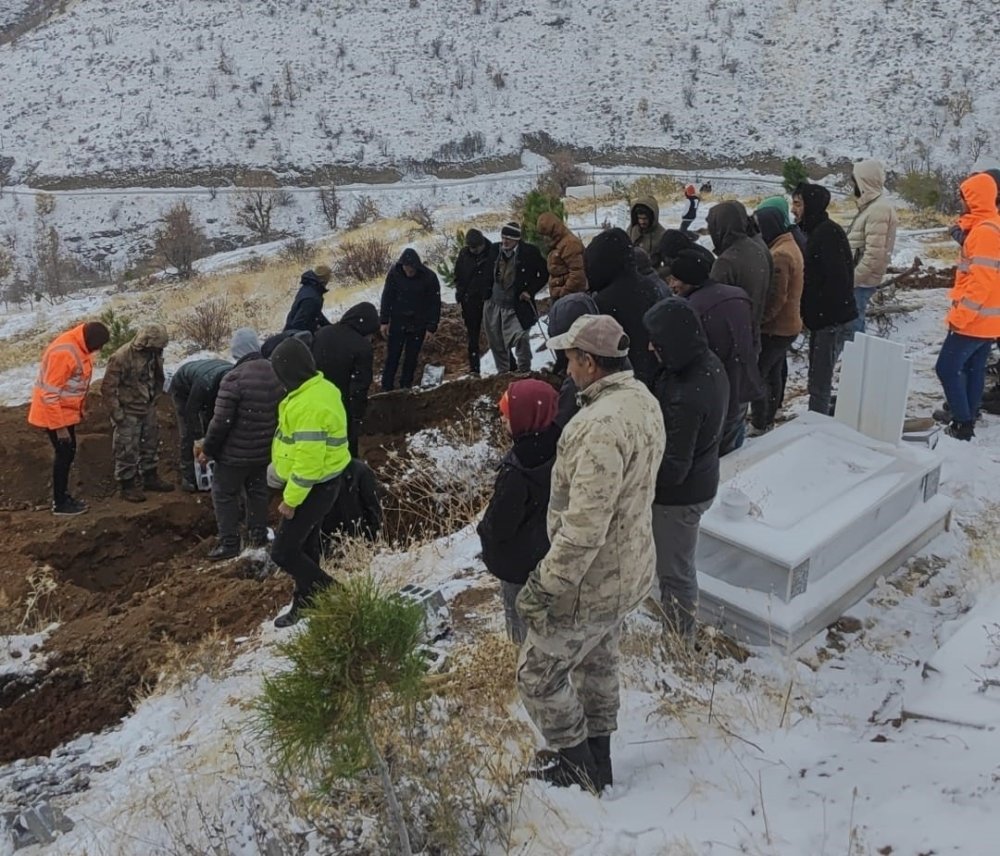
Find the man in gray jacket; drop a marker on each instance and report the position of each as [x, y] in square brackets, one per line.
[872, 234]
[601, 561]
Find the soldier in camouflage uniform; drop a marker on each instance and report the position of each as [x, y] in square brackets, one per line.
[602, 559]
[132, 382]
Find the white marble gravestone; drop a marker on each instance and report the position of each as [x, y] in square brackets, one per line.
[874, 381]
[829, 510]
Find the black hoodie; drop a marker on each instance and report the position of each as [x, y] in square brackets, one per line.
[411, 304]
[307, 308]
[828, 285]
[619, 291]
[693, 392]
[343, 352]
[293, 363]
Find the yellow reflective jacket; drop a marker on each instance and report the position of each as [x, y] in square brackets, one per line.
[310, 445]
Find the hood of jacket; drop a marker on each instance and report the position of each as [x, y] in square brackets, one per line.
[152, 337]
[646, 202]
[676, 334]
[362, 318]
[772, 224]
[980, 194]
[870, 178]
[410, 257]
[567, 309]
[532, 406]
[293, 363]
[607, 257]
[815, 199]
[727, 223]
[310, 279]
[551, 227]
[778, 203]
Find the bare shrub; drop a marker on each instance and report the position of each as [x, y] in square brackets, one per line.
[365, 211]
[56, 274]
[252, 208]
[363, 260]
[299, 250]
[959, 105]
[208, 326]
[180, 241]
[253, 264]
[421, 215]
[562, 173]
[472, 145]
[329, 205]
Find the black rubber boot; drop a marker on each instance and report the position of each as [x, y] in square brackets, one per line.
[961, 430]
[130, 491]
[600, 750]
[572, 766]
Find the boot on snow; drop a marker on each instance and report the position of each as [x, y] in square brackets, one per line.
[224, 550]
[961, 430]
[151, 481]
[130, 491]
[567, 767]
[600, 750]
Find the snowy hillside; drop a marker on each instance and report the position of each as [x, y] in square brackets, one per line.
[157, 85]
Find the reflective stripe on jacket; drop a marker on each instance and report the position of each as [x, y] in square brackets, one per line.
[60, 389]
[310, 445]
[975, 297]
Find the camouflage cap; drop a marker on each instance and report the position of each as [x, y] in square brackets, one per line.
[599, 335]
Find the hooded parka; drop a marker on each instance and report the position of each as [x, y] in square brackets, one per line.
[872, 233]
[975, 297]
[565, 259]
[741, 260]
[648, 240]
[60, 391]
[134, 377]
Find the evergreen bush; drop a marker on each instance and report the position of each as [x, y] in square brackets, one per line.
[793, 173]
[120, 327]
[534, 204]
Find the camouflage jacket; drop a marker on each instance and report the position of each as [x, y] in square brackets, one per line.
[134, 376]
[601, 563]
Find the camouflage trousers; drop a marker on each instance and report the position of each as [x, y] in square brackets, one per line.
[568, 680]
[135, 445]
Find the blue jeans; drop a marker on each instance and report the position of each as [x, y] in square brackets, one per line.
[862, 295]
[961, 368]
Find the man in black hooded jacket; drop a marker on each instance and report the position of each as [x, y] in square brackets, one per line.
[619, 291]
[693, 391]
[410, 311]
[307, 308]
[474, 271]
[344, 353]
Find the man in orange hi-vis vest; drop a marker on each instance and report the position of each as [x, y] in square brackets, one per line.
[57, 402]
[974, 317]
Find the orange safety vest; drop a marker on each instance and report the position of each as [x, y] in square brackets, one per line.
[63, 380]
[975, 297]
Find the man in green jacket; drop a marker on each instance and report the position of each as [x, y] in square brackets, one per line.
[308, 454]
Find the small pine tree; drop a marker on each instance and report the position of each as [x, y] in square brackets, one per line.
[536, 203]
[357, 653]
[121, 330]
[793, 173]
[446, 269]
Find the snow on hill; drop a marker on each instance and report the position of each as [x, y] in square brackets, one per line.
[157, 85]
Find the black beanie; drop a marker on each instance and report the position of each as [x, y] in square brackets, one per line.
[691, 268]
[95, 336]
[474, 239]
[674, 242]
[293, 363]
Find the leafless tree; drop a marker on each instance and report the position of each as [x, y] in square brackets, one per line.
[180, 241]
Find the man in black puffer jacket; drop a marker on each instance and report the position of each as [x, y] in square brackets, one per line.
[513, 529]
[620, 292]
[239, 441]
[193, 388]
[307, 308]
[410, 311]
[828, 304]
[343, 352]
[693, 391]
[474, 270]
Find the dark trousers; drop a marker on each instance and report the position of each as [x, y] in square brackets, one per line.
[296, 547]
[229, 485]
[65, 453]
[773, 366]
[472, 315]
[406, 343]
[961, 368]
[188, 436]
[824, 350]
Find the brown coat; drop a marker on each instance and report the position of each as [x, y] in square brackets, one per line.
[781, 313]
[565, 260]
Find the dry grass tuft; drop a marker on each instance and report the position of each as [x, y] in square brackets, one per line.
[38, 610]
[982, 568]
[183, 664]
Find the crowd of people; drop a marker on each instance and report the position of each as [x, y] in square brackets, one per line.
[662, 348]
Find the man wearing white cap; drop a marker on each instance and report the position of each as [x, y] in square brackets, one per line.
[601, 562]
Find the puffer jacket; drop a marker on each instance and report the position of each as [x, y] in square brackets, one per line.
[194, 386]
[601, 561]
[693, 391]
[741, 260]
[648, 240]
[782, 316]
[245, 415]
[60, 391]
[310, 444]
[872, 233]
[134, 377]
[565, 259]
[975, 297]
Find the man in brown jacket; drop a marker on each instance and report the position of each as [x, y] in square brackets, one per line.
[131, 385]
[781, 322]
[565, 259]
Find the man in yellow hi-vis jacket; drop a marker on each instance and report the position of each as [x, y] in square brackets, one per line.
[308, 454]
